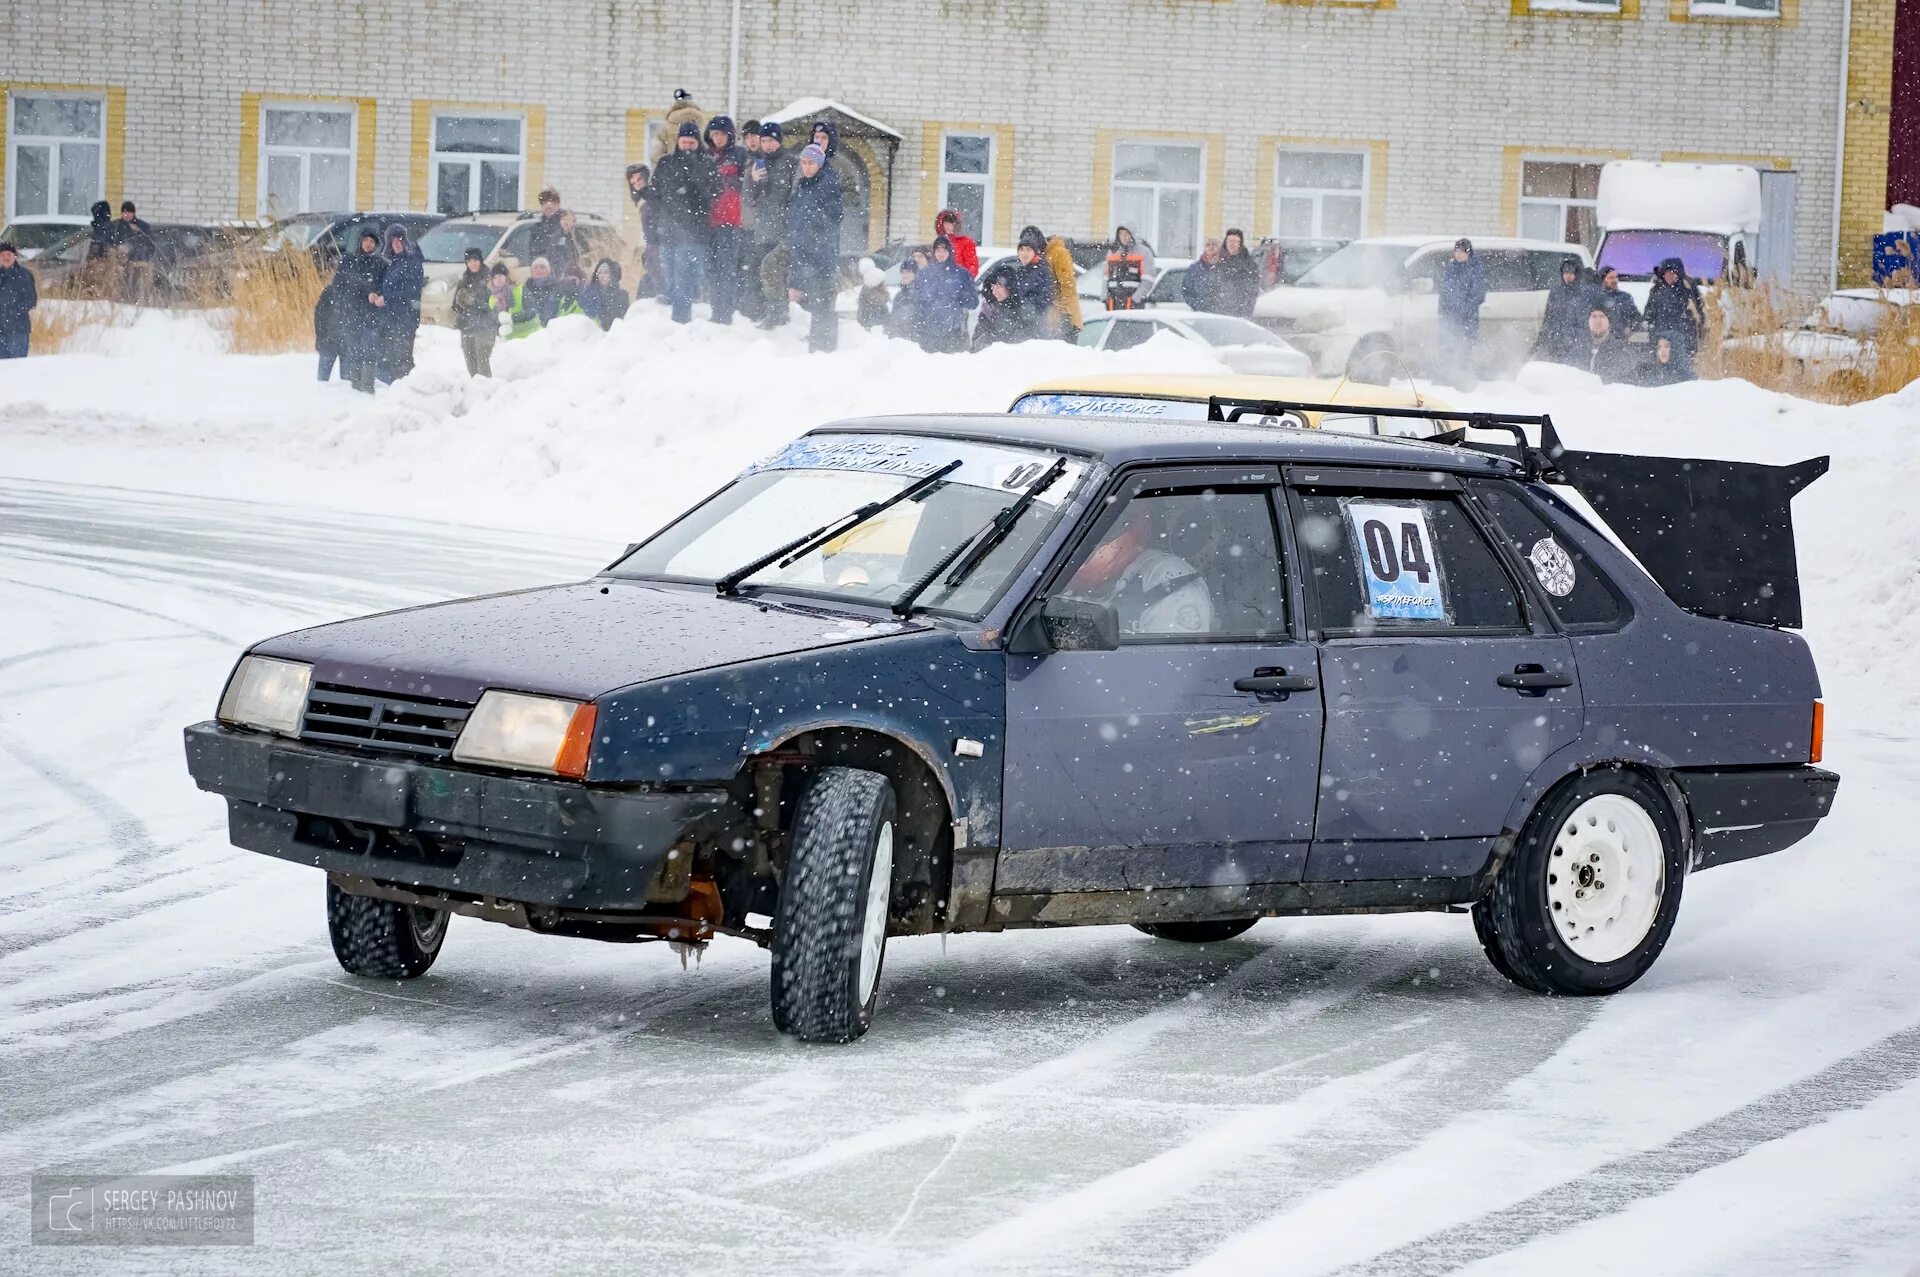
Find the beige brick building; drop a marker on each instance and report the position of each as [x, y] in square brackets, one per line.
[1325, 117]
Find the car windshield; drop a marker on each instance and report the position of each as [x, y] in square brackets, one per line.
[290, 236]
[27, 236]
[449, 241]
[1358, 265]
[1635, 254]
[1228, 330]
[825, 476]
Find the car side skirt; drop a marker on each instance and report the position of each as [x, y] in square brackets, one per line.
[1260, 900]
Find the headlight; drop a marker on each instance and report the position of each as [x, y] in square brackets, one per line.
[530, 733]
[268, 694]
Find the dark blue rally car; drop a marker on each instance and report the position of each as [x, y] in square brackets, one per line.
[922, 675]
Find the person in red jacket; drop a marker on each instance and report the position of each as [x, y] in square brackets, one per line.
[723, 243]
[965, 253]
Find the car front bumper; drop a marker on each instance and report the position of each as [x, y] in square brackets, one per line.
[526, 840]
[1743, 812]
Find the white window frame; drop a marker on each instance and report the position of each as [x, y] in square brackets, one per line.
[1198, 187]
[1728, 9]
[1562, 205]
[1318, 193]
[983, 180]
[305, 153]
[436, 157]
[14, 142]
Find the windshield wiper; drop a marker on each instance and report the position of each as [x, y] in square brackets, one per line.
[983, 542]
[810, 541]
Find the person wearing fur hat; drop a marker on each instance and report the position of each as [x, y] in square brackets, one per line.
[966, 253]
[401, 286]
[684, 111]
[813, 245]
[18, 297]
[680, 200]
[473, 314]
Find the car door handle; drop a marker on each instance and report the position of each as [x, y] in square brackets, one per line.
[1275, 682]
[1534, 678]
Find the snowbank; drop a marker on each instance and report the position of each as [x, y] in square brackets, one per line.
[608, 434]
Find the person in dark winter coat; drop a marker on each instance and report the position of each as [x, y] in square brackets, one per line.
[1621, 312]
[552, 236]
[768, 190]
[1237, 279]
[357, 316]
[999, 313]
[1033, 283]
[100, 231]
[400, 288]
[648, 285]
[902, 317]
[1198, 286]
[329, 332]
[473, 314]
[943, 294]
[1463, 289]
[1663, 365]
[132, 233]
[18, 297]
[680, 205]
[723, 219]
[1674, 309]
[603, 300]
[813, 245]
[1563, 329]
[1599, 353]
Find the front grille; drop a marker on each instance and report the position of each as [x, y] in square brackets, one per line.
[416, 726]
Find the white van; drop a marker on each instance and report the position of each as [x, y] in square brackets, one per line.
[1704, 214]
[1370, 307]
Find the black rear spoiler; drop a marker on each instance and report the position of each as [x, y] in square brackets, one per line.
[1717, 536]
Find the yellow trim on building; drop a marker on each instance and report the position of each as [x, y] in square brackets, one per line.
[1682, 11]
[1863, 169]
[1629, 11]
[1779, 163]
[1266, 161]
[114, 176]
[932, 159]
[1513, 157]
[1213, 177]
[365, 121]
[419, 180]
[1343, 4]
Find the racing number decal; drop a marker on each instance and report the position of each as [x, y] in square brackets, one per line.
[1396, 560]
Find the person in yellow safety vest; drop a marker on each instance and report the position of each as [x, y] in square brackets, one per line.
[533, 303]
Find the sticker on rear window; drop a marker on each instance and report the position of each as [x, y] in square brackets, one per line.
[1394, 548]
[1554, 567]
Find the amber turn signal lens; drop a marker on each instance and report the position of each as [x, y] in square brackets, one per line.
[1819, 730]
[572, 758]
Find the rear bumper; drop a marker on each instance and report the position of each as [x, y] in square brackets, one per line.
[526, 840]
[1740, 813]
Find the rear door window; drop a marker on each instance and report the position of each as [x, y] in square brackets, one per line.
[518, 242]
[1393, 561]
[1580, 595]
[1507, 271]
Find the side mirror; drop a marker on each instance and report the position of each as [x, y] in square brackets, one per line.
[1423, 286]
[1068, 625]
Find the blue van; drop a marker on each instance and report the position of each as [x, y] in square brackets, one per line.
[920, 675]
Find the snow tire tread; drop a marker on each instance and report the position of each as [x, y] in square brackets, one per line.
[375, 938]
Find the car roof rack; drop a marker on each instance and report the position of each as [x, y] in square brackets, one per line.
[1535, 463]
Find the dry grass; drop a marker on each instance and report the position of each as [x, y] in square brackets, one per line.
[272, 300]
[1758, 320]
[58, 329]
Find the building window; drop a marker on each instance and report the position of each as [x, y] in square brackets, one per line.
[1734, 8]
[1157, 190]
[306, 159]
[477, 162]
[1576, 6]
[56, 155]
[1320, 194]
[966, 179]
[1558, 201]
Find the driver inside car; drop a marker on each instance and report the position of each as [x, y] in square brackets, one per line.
[1151, 590]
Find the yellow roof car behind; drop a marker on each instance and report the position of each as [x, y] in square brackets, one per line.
[1184, 396]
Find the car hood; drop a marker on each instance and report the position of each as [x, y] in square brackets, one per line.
[578, 641]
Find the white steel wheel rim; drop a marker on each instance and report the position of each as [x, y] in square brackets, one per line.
[428, 925]
[1606, 873]
[873, 930]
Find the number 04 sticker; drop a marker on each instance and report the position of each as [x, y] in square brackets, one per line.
[1395, 548]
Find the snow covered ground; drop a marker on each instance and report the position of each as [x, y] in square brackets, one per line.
[1359, 1096]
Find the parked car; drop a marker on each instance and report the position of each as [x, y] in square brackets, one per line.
[169, 276]
[503, 237]
[1182, 676]
[327, 235]
[32, 236]
[1190, 396]
[1284, 259]
[1161, 290]
[1371, 306]
[1240, 344]
[1843, 334]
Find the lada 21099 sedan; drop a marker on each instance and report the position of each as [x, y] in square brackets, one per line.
[1038, 671]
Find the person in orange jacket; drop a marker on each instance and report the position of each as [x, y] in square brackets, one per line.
[965, 252]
